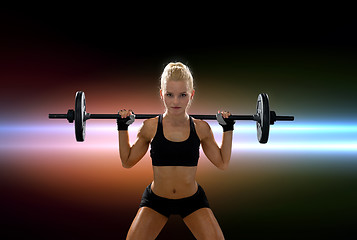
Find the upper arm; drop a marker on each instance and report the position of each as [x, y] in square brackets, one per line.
[141, 145]
[209, 144]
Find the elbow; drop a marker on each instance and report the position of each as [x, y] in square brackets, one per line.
[224, 163]
[127, 166]
[223, 166]
[125, 163]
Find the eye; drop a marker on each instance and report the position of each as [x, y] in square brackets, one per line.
[183, 94]
[168, 94]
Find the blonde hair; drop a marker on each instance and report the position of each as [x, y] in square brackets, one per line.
[177, 71]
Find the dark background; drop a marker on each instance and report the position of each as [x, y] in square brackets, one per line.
[304, 56]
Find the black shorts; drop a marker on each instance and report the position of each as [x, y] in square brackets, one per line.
[182, 206]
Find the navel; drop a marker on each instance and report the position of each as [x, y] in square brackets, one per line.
[174, 190]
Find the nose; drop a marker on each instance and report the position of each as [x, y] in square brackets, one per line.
[176, 100]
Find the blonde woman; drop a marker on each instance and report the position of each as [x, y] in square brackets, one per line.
[175, 139]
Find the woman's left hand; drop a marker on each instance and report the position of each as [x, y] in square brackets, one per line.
[224, 121]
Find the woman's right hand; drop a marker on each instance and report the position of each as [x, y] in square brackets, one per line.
[123, 124]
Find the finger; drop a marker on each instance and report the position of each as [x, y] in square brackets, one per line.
[227, 114]
[122, 113]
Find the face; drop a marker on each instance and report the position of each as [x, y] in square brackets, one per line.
[176, 97]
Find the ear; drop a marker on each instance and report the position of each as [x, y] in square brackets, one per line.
[192, 94]
[161, 94]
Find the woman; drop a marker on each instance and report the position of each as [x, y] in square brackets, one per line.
[175, 139]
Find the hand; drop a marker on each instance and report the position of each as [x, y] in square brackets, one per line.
[222, 118]
[122, 122]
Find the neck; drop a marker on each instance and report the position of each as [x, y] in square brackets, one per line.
[176, 118]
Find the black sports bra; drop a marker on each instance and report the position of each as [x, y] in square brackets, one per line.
[164, 152]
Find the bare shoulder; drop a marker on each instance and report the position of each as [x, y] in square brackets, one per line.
[203, 129]
[148, 129]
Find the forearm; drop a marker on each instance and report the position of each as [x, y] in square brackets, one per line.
[226, 147]
[124, 146]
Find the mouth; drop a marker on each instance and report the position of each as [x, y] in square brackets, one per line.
[176, 107]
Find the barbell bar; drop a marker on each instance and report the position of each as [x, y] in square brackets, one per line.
[263, 117]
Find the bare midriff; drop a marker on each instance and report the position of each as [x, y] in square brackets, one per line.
[174, 182]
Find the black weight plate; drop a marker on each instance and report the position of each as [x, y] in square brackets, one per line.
[79, 116]
[263, 124]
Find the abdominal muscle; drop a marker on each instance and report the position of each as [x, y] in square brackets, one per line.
[174, 182]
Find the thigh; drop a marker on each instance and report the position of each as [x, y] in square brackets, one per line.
[203, 224]
[147, 224]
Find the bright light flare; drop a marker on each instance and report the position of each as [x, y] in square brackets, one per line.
[284, 137]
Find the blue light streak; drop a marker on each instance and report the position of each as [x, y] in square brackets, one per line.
[284, 137]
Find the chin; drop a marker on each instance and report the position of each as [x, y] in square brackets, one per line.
[177, 112]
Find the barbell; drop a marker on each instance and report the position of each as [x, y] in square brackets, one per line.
[263, 117]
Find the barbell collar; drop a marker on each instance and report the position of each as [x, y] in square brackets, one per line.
[70, 115]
